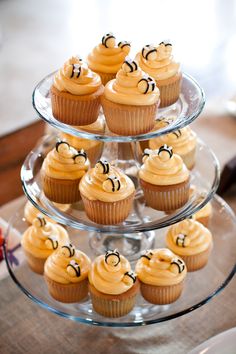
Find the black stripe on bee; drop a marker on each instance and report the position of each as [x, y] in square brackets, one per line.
[71, 249]
[61, 142]
[131, 275]
[148, 53]
[42, 221]
[113, 180]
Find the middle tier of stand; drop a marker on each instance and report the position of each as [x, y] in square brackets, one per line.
[204, 183]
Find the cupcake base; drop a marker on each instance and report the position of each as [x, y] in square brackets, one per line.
[114, 305]
[161, 295]
[169, 90]
[36, 264]
[107, 213]
[74, 109]
[197, 261]
[67, 293]
[127, 119]
[62, 191]
[166, 198]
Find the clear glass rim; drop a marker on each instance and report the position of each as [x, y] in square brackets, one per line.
[183, 213]
[177, 124]
[124, 324]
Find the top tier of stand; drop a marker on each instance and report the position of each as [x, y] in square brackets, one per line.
[179, 115]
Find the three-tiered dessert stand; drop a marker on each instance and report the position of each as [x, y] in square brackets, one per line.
[144, 228]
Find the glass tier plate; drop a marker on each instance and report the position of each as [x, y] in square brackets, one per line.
[180, 114]
[199, 288]
[204, 180]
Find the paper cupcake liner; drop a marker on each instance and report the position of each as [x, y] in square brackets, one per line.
[165, 198]
[75, 110]
[169, 90]
[67, 293]
[105, 77]
[197, 261]
[108, 213]
[129, 120]
[36, 264]
[189, 158]
[61, 191]
[113, 305]
[161, 295]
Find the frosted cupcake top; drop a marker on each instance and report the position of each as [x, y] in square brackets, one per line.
[161, 167]
[65, 162]
[188, 237]
[160, 267]
[106, 183]
[43, 237]
[30, 212]
[132, 86]
[107, 56]
[76, 78]
[158, 61]
[182, 141]
[111, 274]
[67, 265]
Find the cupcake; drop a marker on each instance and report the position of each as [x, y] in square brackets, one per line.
[93, 148]
[112, 285]
[30, 212]
[75, 93]
[165, 179]
[203, 215]
[61, 173]
[191, 241]
[183, 143]
[130, 101]
[161, 275]
[107, 194]
[107, 57]
[66, 274]
[157, 61]
[40, 240]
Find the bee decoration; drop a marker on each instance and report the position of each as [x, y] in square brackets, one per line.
[166, 43]
[76, 71]
[149, 52]
[102, 166]
[148, 255]
[125, 46]
[182, 240]
[40, 221]
[163, 150]
[68, 250]
[81, 157]
[177, 133]
[73, 268]
[177, 266]
[111, 184]
[112, 258]
[129, 65]
[129, 276]
[52, 242]
[62, 146]
[109, 40]
[146, 84]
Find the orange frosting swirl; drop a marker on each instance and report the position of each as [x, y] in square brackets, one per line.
[107, 57]
[76, 78]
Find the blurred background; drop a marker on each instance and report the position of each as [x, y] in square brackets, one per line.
[36, 37]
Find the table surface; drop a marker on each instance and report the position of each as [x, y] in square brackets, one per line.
[26, 328]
